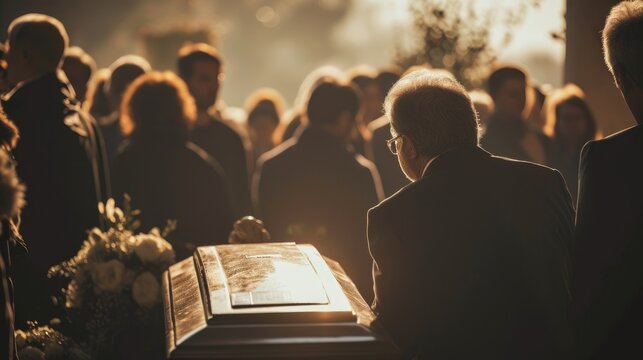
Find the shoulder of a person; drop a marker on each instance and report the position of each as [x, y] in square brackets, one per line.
[399, 201]
[617, 141]
[622, 146]
[526, 174]
[276, 155]
[227, 127]
[199, 157]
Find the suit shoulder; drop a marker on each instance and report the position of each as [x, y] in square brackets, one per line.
[199, 158]
[400, 199]
[276, 154]
[525, 167]
[618, 141]
[227, 129]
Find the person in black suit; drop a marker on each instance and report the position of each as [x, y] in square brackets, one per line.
[168, 177]
[60, 158]
[608, 259]
[471, 260]
[313, 189]
[201, 67]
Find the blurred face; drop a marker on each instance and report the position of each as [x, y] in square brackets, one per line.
[373, 100]
[511, 97]
[572, 124]
[204, 84]
[261, 131]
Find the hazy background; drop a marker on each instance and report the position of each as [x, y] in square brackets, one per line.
[276, 43]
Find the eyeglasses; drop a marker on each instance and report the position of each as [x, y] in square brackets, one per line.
[392, 144]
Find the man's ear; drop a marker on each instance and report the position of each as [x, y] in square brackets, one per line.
[409, 148]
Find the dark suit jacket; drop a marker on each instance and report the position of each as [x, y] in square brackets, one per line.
[225, 145]
[472, 260]
[608, 258]
[176, 182]
[313, 190]
[502, 138]
[60, 159]
[393, 178]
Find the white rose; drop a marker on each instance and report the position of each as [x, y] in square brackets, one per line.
[151, 248]
[108, 276]
[146, 290]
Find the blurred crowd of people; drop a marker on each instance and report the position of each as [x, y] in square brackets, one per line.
[77, 135]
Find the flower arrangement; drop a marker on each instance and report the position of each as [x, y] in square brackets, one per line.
[43, 342]
[114, 293]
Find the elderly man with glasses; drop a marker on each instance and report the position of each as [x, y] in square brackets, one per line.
[471, 260]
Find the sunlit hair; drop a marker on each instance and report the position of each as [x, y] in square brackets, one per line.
[622, 41]
[311, 81]
[123, 71]
[267, 102]
[157, 107]
[500, 73]
[434, 111]
[192, 53]
[78, 55]
[44, 35]
[329, 99]
[571, 95]
[482, 98]
[9, 134]
[362, 76]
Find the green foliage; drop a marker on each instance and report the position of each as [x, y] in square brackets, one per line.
[455, 36]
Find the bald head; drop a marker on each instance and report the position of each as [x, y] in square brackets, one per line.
[36, 46]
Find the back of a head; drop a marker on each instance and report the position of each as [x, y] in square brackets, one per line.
[362, 76]
[157, 107]
[192, 53]
[622, 41]
[122, 73]
[311, 81]
[434, 111]
[329, 99]
[44, 36]
[387, 77]
[500, 74]
[96, 99]
[77, 58]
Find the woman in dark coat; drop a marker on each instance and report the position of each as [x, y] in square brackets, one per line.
[168, 177]
[571, 124]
